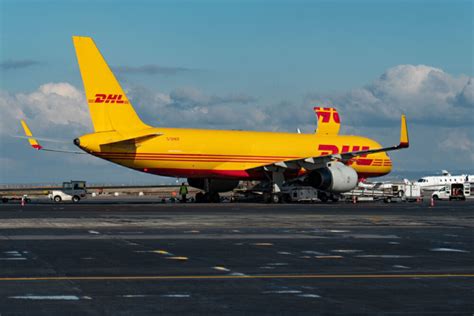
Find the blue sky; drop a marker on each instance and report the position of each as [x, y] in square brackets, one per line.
[269, 59]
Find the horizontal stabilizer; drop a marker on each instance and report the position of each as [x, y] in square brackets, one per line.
[34, 142]
[136, 139]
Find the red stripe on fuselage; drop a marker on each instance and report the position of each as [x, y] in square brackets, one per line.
[232, 174]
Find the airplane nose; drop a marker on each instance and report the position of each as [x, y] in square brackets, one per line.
[77, 142]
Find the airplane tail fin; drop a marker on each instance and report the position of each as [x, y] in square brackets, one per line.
[328, 121]
[109, 107]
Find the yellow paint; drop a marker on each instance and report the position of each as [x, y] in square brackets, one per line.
[404, 131]
[262, 276]
[328, 121]
[328, 257]
[33, 142]
[98, 79]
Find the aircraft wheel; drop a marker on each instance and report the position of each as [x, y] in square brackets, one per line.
[323, 197]
[57, 199]
[276, 198]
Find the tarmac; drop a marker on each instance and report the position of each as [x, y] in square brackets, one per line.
[97, 258]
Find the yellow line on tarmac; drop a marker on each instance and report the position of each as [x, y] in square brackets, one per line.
[233, 277]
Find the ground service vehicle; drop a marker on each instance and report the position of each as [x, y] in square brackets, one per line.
[453, 191]
[71, 191]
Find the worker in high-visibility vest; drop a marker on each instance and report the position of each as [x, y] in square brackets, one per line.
[183, 191]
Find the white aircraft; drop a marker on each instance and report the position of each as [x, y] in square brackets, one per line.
[438, 182]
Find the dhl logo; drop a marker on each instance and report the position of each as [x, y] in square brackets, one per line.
[325, 114]
[108, 98]
[328, 149]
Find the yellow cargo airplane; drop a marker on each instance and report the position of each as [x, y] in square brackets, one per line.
[215, 160]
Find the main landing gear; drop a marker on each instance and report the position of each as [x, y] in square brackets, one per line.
[208, 197]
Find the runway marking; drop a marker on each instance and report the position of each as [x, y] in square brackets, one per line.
[309, 295]
[328, 257]
[177, 258]
[221, 268]
[162, 252]
[46, 297]
[448, 250]
[240, 276]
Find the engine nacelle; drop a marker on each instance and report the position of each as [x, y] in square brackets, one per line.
[336, 177]
[214, 185]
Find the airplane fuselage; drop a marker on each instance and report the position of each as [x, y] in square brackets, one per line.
[228, 154]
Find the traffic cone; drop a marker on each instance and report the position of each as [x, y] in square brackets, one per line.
[354, 199]
[22, 201]
[432, 202]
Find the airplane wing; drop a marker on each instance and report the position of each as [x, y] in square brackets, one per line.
[311, 163]
[34, 142]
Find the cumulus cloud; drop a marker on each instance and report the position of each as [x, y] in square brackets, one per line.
[54, 108]
[191, 97]
[18, 64]
[457, 142]
[152, 70]
[191, 107]
[465, 98]
[426, 94]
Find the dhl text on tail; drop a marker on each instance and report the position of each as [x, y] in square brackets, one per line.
[214, 160]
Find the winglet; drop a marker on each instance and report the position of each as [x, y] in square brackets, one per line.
[33, 142]
[404, 143]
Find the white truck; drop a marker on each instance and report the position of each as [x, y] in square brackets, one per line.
[387, 192]
[71, 191]
[453, 191]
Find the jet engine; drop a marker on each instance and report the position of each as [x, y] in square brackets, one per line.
[336, 177]
[213, 185]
